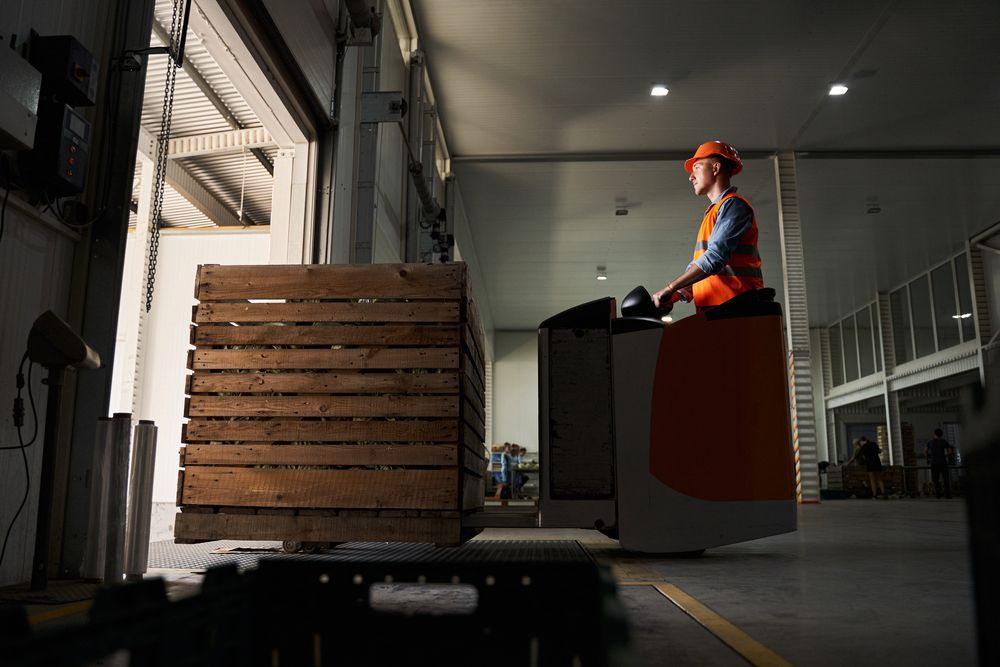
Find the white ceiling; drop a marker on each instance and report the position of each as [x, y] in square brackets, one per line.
[547, 111]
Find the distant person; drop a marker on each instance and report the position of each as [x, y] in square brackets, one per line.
[520, 478]
[508, 471]
[937, 451]
[868, 452]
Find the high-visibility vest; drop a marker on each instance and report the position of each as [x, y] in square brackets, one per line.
[741, 274]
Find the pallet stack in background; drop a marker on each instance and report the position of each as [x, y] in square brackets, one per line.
[911, 474]
[333, 403]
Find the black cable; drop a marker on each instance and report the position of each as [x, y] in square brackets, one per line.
[22, 447]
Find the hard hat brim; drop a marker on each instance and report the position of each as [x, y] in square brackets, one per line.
[689, 163]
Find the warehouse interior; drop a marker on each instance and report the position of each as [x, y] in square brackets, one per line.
[542, 146]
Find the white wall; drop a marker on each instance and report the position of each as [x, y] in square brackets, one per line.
[166, 340]
[515, 388]
[35, 263]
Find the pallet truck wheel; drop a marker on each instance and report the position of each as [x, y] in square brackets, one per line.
[291, 546]
[317, 547]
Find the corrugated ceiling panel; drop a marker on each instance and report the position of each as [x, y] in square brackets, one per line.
[224, 175]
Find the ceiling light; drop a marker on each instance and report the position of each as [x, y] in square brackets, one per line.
[602, 273]
[621, 210]
[667, 319]
[659, 91]
[838, 89]
[961, 316]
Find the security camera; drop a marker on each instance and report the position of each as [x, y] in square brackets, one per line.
[52, 343]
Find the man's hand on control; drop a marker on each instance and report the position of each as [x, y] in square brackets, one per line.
[666, 296]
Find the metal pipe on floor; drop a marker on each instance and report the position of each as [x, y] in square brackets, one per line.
[117, 483]
[140, 500]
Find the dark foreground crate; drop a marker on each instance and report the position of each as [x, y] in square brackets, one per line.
[534, 603]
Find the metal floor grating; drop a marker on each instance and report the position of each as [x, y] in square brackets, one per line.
[57, 592]
[168, 555]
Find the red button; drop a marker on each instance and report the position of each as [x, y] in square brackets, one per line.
[69, 172]
[72, 160]
[72, 148]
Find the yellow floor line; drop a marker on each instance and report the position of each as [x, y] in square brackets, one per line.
[59, 612]
[752, 651]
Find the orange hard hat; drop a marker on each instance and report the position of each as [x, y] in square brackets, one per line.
[719, 148]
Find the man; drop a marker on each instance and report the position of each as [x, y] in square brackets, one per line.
[507, 472]
[869, 453]
[726, 261]
[937, 451]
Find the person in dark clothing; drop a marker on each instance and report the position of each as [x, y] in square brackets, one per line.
[868, 452]
[937, 451]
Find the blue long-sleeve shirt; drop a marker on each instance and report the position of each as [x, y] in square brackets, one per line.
[732, 222]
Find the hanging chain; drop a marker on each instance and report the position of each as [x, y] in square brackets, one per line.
[162, 144]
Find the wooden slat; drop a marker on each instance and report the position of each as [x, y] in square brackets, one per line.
[472, 462]
[372, 357]
[438, 312]
[470, 417]
[473, 456]
[324, 383]
[470, 438]
[475, 363]
[191, 527]
[323, 406]
[473, 492]
[330, 281]
[276, 487]
[180, 487]
[473, 344]
[320, 455]
[293, 430]
[469, 376]
[399, 334]
[474, 399]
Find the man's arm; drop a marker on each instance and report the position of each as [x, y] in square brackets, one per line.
[691, 275]
[735, 218]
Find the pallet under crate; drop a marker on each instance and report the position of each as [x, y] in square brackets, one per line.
[333, 403]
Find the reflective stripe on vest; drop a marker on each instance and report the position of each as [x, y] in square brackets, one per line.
[741, 274]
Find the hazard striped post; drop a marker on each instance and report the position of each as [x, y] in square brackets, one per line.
[800, 394]
[795, 426]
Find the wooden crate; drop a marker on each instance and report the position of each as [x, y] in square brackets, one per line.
[332, 403]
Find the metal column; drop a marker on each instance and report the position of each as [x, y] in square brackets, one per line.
[105, 260]
[981, 312]
[414, 127]
[888, 352]
[363, 227]
[797, 327]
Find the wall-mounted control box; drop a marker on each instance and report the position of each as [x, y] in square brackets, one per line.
[20, 86]
[59, 162]
[68, 69]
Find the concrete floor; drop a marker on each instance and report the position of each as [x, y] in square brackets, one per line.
[862, 582]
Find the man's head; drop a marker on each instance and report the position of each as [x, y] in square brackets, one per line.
[938, 433]
[714, 163]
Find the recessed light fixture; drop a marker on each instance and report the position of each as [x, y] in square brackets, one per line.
[659, 90]
[838, 89]
[961, 316]
[602, 273]
[621, 210]
[667, 319]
